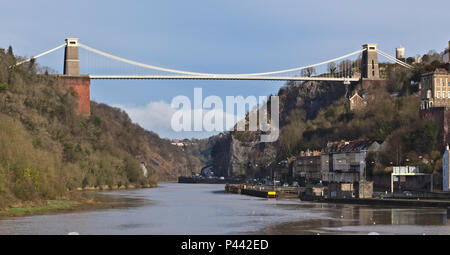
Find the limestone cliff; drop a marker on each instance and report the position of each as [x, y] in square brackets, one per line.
[241, 153]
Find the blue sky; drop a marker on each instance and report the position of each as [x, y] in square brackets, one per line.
[216, 36]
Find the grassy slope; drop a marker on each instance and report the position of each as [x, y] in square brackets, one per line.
[46, 150]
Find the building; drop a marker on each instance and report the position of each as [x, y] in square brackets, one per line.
[357, 101]
[345, 161]
[445, 169]
[400, 53]
[179, 143]
[435, 89]
[417, 59]
[306, 167]
[362, 189]
[446, 57]
[435, 96]
[409, 178]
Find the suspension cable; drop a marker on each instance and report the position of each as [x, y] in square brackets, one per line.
[40, 55]
[394, 59]
[202, 74]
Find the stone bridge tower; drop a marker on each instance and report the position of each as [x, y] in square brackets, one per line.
[72, 78]
[370, 72]
[370, 62]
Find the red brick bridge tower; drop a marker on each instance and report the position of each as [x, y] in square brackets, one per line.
[72, 78]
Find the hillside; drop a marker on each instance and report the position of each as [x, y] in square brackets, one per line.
[313, 113]
[46, 149]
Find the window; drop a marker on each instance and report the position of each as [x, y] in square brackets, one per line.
[438, 94]
[448, 94]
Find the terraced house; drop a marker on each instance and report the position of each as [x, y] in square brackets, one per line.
[306, 167]
[345, 161]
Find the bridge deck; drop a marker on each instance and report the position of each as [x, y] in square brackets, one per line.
[218, 77]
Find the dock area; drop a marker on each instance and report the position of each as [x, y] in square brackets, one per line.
[388, 202]
[200, 179]
[263, 190]
[302, 193]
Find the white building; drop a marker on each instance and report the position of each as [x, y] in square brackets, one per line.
[445, 168]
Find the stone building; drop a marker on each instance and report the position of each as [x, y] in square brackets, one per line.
[345, 161]
[306, 167]
[357, 101]
[435, 105]
[435, 89]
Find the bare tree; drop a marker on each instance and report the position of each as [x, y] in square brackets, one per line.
[332, 67]
[345, 67]
[308, 72]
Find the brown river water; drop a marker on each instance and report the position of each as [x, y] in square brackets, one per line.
[205, 209]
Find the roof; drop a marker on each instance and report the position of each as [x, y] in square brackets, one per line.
[360, 93]
[440, 70]
[350, 146]
[437, 71]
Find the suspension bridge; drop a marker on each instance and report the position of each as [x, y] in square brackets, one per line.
[345, 74]
[358, 65]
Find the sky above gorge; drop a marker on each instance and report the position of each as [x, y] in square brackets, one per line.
[214, 36]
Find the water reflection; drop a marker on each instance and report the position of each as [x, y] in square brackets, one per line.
[206, 209]
[355, 219]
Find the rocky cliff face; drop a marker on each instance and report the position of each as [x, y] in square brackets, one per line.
[309, 97]
[242, 153]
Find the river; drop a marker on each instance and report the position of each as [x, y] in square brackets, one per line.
[205, 209]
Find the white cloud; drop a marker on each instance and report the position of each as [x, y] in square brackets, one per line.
[154, 115]
[157, 116]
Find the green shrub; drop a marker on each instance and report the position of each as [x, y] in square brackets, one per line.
[3, 87]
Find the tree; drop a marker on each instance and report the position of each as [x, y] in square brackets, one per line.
[3, 87]
[10, 51]
[423, 138]
[431, 56]
[308, 72]
[410, 60]
[345, 67]
[332, 68]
